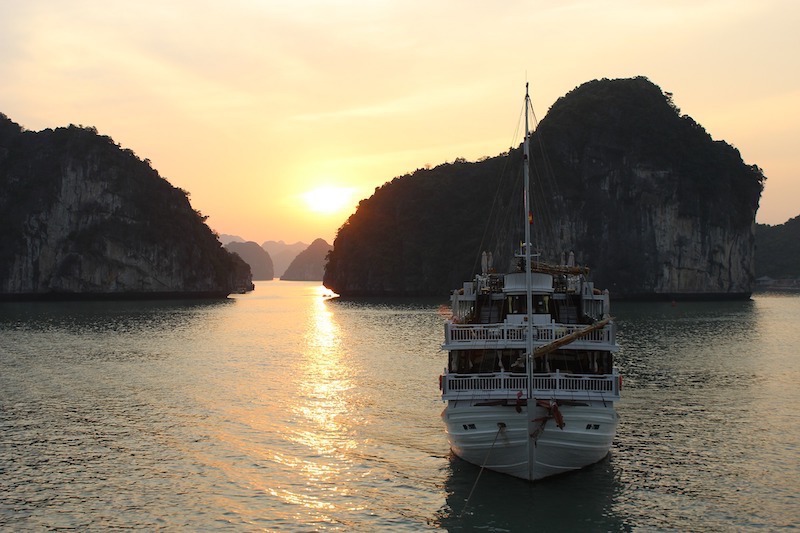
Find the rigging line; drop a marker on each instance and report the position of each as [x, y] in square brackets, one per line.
[545, 183]
[543, 216]
[549, 178]
[503, 174]
[500, 427]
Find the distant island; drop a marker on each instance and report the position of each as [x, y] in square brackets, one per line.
[280, 255]
[254, 255]
[82, 217]
[283, 254]
[295, 262]
[309, 265]
[641, 193]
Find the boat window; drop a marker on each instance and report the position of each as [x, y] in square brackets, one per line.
[485, 361]
[517, 305]
[575, 362]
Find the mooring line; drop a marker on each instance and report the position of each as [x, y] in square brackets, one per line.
[500, 427]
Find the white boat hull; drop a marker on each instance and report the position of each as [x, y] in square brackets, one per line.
[528, 444]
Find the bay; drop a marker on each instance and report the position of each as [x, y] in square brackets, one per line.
[285, 409]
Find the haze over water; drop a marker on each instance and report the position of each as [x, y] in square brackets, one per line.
[284, 409]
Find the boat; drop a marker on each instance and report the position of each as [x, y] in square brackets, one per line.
[530, 383]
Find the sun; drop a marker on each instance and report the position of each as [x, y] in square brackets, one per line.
[328, 200]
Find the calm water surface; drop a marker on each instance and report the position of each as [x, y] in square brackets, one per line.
[286, 410]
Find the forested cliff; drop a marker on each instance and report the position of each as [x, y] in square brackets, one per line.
[81, 217]
[640, 193]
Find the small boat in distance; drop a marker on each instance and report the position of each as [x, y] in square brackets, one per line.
[530, 382]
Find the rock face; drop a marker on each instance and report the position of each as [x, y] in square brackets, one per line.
[254, 255]
[640, 193]
[81, 217]
[657, 206]
[309, 265]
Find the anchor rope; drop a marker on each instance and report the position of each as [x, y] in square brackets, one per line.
[500, 427]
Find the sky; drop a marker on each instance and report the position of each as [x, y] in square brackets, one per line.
[279, 116]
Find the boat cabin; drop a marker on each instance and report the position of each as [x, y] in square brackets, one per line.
[486, 339]
[494, 298]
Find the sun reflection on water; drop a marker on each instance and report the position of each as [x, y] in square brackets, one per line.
[322, 418]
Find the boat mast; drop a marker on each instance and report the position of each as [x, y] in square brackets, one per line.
[528, 266]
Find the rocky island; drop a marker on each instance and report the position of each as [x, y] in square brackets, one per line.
[81, 217]
[636, 190]
[254, 255]
[309, 265]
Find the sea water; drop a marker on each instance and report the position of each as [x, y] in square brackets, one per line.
[285, 409]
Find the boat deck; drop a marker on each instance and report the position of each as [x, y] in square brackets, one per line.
[508, 385]
[466, 336]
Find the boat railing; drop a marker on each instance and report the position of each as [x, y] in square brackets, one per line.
[482, 335]
[509, 385]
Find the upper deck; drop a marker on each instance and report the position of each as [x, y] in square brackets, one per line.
[565, 299]
[514, 335]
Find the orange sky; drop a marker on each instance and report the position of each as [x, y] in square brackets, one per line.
[253, 105]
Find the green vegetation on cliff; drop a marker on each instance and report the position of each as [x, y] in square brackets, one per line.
[642, 194]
